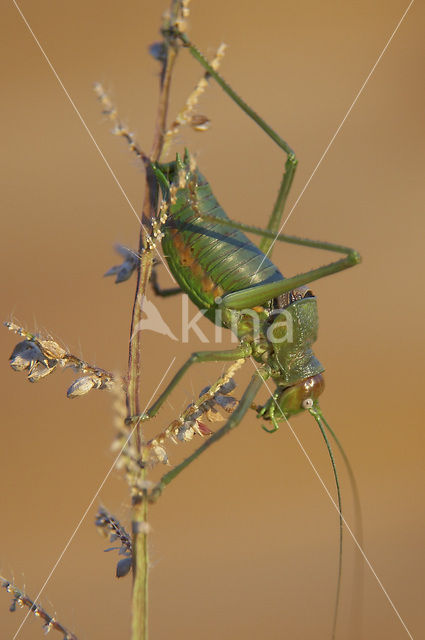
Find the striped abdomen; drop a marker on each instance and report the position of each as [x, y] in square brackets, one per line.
[209, 259]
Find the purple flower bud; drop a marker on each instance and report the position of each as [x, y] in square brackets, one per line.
[25, 354]
[228, 403]
[123, 271]
[227, 387]
[186, 431]
[123, 567]
[158, 51]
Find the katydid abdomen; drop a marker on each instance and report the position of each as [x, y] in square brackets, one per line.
[207, 258]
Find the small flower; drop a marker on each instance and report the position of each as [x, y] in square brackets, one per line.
[123, 271]
[186, 431]
[220, 398]
[228, 403]
[124, 567]
[160, 453]
[28, 355]
[212, 415]
[25, 355]
[83, 385]
[158, 51]
[194, 414]
[199, 122]
[227, 387]
[40, 370]
[202, 429]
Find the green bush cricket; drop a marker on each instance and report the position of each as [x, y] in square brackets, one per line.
[228, 276]
[238, 287]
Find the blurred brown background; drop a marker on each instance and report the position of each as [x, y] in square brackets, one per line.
[244, 544]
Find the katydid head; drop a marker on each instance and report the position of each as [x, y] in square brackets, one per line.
[301, 396]
[288, 401]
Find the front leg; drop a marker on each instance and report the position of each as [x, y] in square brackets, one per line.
[234, 420]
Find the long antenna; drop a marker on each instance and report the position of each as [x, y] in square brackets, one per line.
[357, 602]
[318, 416]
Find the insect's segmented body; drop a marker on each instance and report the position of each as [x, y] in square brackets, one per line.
[209, 259]
[234, 282]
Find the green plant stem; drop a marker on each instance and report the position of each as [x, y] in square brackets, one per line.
[140, 505]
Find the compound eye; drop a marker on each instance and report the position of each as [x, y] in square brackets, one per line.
[307, 403]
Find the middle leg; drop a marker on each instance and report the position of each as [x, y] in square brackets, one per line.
[243, 351]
